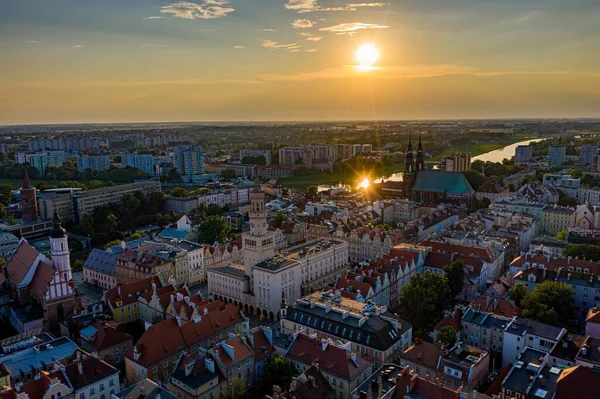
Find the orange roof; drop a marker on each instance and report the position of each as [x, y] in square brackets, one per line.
[593, 315]
[240, 351]
[333, 359]
[137, 288]
[423, 353]
[498, 306]
[260, 345]
[20, 262]
[577, 382]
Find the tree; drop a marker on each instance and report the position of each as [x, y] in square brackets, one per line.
[3, 213]
[576, 173]
[118, 159]
[278, 371]
[228, 174]
[236, 389]
[551, 302]
[474, 178]
[279, 218]
[455, 274]
[173, 175]
[518, 292]
[562, 235]
[424, 299]
[111, 222]
[447, 336]
[179, 192]
[568, 201]
[583, 251]
[214, 228]
[2, 262]
[5, 193]
[312, 191]
[134, 236]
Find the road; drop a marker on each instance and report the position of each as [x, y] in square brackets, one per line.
[92, 293]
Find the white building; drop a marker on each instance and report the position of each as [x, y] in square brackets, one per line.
[586, 154]
[523, 154]
[406, 210]
[565, 183]
[523, 333]
[266, 278]
[557, 155]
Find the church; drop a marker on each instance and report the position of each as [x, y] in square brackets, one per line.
[42, 289]
[432, 187]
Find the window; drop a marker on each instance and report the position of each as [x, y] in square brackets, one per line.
[102, 396]
[111, 383]
[92, 391]
[124, 347]
[102, 386]
[82, 395]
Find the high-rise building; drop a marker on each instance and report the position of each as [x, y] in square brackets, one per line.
[93, 162]
[308, 156]
[144, 162]
[189, 162]
[456, 162]
[557, 155]
[43, 161]
[28, 200]
[586, 154]
[523, 154]
[256, 153]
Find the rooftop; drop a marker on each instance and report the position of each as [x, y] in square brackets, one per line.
[442, 182]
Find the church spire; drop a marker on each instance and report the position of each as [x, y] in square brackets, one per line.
[409, 166]
[420, 164]
[26, 181]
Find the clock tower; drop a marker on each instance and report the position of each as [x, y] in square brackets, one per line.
[259, 243]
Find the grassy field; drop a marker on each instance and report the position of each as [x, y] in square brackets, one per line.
[474, 149]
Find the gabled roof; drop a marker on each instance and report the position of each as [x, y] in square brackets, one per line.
[122, 292]
[333, 360]
[107, 335]
[93, 370]
[423, 353]
[20, 262]
[578, 382]
[101, 262]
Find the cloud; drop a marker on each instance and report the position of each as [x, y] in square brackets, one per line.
[314, 38]
[312, 50]
[33, 42]
[272, 45]
[154, 17]
[350, 28]
[303, 24]
[239, 47]
[76, 46]
[208, 9]
[266, 30]
[306, 6]
[154, 45]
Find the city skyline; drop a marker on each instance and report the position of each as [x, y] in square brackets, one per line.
[294, 60]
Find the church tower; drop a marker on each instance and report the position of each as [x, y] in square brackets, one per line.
[28, 200]
[409, 170]
[59, 249]
[259, 243]
[420, 164]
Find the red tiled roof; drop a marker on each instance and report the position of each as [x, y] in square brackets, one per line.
[93, 370]
[108, 335]
[577, 382]
[408, 382]
[44, 274]
[423, 353]
[37, 388]
[332, 360]
[144, 287]
[20, 262]
[240, 351]
[260, 342]
[438, 260]
[496, 306]
[593, 315]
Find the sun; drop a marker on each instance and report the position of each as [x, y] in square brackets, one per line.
[367, 55]
[364, 184]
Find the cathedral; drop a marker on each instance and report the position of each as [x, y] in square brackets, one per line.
[42, 289]
[432, 187]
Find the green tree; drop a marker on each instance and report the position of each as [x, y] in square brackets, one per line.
[576, 173]
[236, 389]
[313, 191]
[551, 302]
[214, 228]
[112, 243]
[179, 192]
[5, 193]
[568, 201]
[118, 159]
[455, 274]
[518, 293]
[2, 262]
[173, 175]
[278, 371]
[228, 174]
[3, 213]
[587, 251]
[474, 178]
[447, 336]
[562, 235]
[134, 236]
[424, 299]
[279, 218]
[111, 222]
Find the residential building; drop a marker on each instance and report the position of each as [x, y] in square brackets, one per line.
[309, 384]
[234, 358]
[273, 188]
[94, 162]
[463, 366]
[143, 162]
[148, 359]
[371, 331]
[456, 162]
[592, 323]
[492, 189]
[189, 162]
[274, 171]
[8, 244]
[320, 156]
[122, 301]
[565, 352]
[565, 183]
[260, 340]
[256, 153]
[577, 382]
[557, 218]
[530, 376]
[100, 269]
[586, 154]
[146, 389]
[197, 378]
[73, 205]
[135, 264]
[483, 329]
[343, 369]
[422, 358]
[521, 334]
[106, 339]
[523, 154]
[557, 155]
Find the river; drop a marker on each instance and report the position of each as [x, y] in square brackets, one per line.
[492, 156]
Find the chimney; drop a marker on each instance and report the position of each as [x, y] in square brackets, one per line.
[119, 290]
[324, 344]
[178, 319]
[210, 364]
[157, 396]
[205, 311]
[172, 298]
[80, 368]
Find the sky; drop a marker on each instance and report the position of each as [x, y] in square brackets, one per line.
[75, 61]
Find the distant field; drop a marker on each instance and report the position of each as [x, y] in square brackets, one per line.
[17, 183]
[474, 149]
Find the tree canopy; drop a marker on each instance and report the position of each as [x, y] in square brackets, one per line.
[455, 273]
[474, 178]
[447, 336]
[5, 193]
[424, 299]
[278, 371]
[587, 251]
[179, 192]
[551, 302]
[214, 228]
[518, 292]
[236, 389]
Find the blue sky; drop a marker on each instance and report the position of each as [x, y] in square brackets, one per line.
[146, 60]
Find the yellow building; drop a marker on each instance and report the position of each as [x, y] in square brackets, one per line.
[557, 218]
